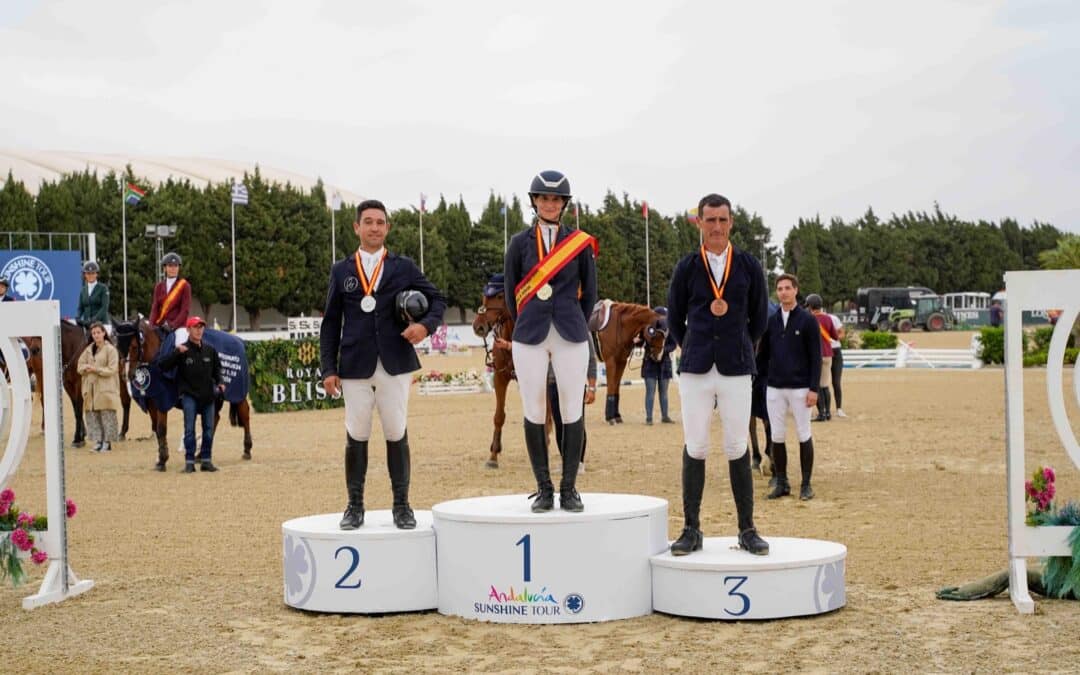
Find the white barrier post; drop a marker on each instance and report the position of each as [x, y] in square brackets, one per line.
[40, 318]
[1027, 291]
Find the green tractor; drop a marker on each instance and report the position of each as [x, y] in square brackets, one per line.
[929, 313]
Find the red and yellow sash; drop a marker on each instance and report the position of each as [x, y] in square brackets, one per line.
[549, 265]
[170, 299]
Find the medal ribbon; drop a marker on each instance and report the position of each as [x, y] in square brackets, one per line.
[171, 298]
[548, 266]
[364, 283]
[718, 291]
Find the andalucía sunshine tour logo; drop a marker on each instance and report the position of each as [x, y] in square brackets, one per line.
[528, 603]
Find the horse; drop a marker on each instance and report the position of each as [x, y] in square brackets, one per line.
[73, 341]
[628, 326]
[140, 343]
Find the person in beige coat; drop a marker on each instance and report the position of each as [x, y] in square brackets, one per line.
[98, 366]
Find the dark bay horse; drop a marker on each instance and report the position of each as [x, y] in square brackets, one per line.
[629, 326]
[73, 341]
[141, 343]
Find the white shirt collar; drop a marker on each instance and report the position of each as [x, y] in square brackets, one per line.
[169, 283]
[90, 287]
[372, 257]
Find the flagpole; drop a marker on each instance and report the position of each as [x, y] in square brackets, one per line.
[577, 216]
[648, 287]
[123, 235]
[333, 236]
[233, 204]
[421, 234]
[506, 219]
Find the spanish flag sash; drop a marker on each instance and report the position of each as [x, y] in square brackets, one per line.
[170, 300]
[550, 264]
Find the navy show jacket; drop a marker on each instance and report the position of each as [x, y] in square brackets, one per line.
[793, 352]
[564, 310]
[727, 341]
[351, 340]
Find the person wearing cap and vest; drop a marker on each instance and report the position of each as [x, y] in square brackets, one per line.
[550, 282]
[199, 381]
[829, 335]
[717, 306]
[792, 348]
[172, 297]
[378, 306]
[93, 298]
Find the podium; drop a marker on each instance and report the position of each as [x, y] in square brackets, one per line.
[799, 577]
[500, 562]
[374, 569]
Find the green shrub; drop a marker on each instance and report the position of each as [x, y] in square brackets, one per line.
[1041, 337]
[992, 341]
[877, 340]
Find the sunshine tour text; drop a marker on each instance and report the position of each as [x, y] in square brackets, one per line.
[306, 385]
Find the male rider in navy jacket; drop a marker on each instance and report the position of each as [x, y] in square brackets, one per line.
[717, 306]
[367, 354]
[792, 347]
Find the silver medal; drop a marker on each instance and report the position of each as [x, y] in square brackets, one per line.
[368, 303]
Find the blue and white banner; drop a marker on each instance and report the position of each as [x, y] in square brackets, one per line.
[44, 275]
[239, 194]
[150, 382]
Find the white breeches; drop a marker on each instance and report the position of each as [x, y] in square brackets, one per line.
[731, 396]
[780, 401]
[390, 393]
[569, 360]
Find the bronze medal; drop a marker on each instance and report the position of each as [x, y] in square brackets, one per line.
[544, 293]
[718, 307]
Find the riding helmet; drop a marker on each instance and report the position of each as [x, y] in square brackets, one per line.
[90, 266]
[550, 182]
[171, 258]
[411, 305]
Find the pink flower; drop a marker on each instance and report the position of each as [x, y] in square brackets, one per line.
[39, 556]
[7, 495]
[1029, 488]
[4, 506]
[71, 509]
[24, 519]
[1050, 491]
[22, 540]
[1048, 474]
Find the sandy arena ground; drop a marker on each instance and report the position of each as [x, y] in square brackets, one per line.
[189, 577]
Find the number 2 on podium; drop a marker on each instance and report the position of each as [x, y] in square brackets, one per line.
[526, 554]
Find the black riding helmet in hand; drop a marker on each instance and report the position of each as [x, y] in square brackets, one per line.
[411, 306]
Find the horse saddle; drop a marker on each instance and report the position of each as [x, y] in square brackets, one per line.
[601, 314]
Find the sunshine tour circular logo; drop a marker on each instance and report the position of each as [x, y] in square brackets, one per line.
[31, 278]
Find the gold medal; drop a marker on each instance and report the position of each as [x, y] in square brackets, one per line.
[544, 293]
[718, 307]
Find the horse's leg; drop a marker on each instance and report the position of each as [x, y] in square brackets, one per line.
[125, 404]
[502, 382]
[243, 416]
[611, 405]
[620, 367]
[161, 430]
[79, 439]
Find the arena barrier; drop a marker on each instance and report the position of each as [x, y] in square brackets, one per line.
[907, 356]
[40, 318]
[1036, 291]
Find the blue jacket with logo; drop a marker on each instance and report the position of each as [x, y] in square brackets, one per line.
[793, 352]
[564, 310]
[727, 341]
[351, 340]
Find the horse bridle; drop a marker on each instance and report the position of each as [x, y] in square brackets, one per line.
[496, 328]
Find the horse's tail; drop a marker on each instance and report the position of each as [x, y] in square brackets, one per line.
[234, 414]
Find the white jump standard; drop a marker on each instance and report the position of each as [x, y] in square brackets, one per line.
[375, 569]
[501, 562]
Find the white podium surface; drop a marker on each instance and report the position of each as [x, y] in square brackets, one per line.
[799, 577]
[500, 562]
[376, 568]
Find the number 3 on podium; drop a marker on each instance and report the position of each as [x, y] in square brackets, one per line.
[734, 592]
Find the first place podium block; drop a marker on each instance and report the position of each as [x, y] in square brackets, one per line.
[500, 562]
[371, 570]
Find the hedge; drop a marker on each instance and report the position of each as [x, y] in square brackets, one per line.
[878, 340]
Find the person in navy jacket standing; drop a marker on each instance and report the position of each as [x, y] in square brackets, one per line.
[550, 276]
[717, 305]
[367, 354]
[792, 347]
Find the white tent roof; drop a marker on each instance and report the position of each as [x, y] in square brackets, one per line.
[34, 167]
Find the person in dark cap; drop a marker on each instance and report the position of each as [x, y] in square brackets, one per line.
[199, 382]
[172, 297]
[378, 306]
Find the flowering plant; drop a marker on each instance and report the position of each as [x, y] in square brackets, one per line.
[1040, 492]
[17, 537]
[461, 377]
[432, 376]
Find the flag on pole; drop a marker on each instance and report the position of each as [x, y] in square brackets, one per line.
[335, 201]
[691, 215]
[423, 203]
[644, 209]
[239, 194]
[133, 194]
[502, 210]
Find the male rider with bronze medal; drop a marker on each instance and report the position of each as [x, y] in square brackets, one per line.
[717, 307]
[550, 276]
[379, 305]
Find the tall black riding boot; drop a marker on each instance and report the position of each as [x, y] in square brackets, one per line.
[573, 439]
[397, 460]
[693, 485]
[806, 463]
[742, 488]
[536, 444]
[782, 487]
[356, 460]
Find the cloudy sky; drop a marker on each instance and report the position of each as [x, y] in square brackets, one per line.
[790, 109]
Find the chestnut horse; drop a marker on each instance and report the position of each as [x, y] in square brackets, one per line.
[629, 325]
[142, 343]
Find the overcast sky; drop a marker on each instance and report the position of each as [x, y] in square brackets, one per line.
[790, 109]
